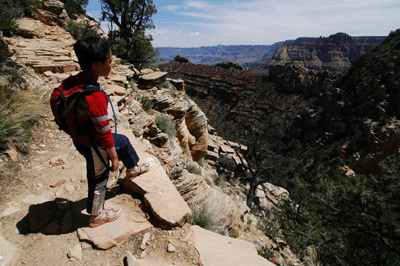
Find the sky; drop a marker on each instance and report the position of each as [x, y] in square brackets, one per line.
[264, 22]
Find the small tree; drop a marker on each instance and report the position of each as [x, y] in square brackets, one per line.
[75, 7]
[263, 159]
[131, 18]
[141, 54]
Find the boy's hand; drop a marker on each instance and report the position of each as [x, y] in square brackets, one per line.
[114, 158]
[115, 164]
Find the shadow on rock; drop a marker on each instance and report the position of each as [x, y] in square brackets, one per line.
[60, 216]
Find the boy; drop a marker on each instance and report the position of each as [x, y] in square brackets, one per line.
[95, 57]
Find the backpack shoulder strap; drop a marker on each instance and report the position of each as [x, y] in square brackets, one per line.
[93, 88]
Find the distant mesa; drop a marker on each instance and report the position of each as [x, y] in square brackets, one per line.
[333, 53]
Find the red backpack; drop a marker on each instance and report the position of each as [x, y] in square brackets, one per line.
[62, 102]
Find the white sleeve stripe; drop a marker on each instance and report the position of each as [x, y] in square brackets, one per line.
[103, 129]
[100, 119]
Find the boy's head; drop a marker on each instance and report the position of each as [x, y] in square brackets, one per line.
[91, 50]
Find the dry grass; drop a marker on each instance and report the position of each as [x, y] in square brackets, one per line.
[19, 110]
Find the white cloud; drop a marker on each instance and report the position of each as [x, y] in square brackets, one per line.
[171, 7]
[194, 33]
[197, 15]
[197, 4]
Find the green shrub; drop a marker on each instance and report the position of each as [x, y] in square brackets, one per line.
[8, 25]
[193, 169]
[166, 124]
[146, 103]
[183, 148]
[266, 253]
[226, 163]
[197, 101]
[79, 30]
[19, 8]
[165, 84]
[234, 233]
[221, 134]
[202, 218]
[219, 179]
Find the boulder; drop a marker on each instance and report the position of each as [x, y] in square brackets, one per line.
[116, 89]
[218, 250]
[158, 192]
[152, 79]
[118, 79]
[179, 84]
[54, 6]
[29, 28]
[222, 211]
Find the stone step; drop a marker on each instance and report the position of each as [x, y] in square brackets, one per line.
[218, 250]
[159, 193]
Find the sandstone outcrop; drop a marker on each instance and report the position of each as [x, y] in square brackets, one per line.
[51, 53]
[190, 122]
[52, 13]
[219, 147]
[222, 211]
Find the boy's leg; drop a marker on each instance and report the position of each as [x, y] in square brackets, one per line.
[127, 154]
[97, 175]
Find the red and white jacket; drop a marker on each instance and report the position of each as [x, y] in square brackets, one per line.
[92, 108]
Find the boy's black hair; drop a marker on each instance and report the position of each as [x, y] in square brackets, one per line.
[90, 50]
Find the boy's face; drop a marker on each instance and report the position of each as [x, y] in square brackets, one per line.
[103, 69]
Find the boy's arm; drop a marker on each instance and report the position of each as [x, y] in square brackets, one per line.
[97, 108]
[98, 103]
[114, 158]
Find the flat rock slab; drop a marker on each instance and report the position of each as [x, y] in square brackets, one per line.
[158, 191]
[131, 222]
[218, 250]
[154, 75]
[110, 234]
[150, 80]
